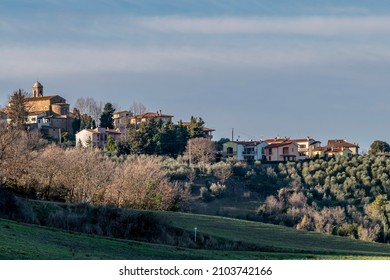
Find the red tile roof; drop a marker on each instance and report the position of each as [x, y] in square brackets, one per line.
[276, 145]
[152, 115]
[248, 143]
[279, 140]
[341, 143]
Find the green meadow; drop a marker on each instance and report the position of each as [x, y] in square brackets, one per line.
[265, 241]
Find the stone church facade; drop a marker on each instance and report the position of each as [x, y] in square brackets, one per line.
[49, 113]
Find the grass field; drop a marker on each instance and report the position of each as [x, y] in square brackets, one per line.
[277, 238]
[20, 241]
[24, 241]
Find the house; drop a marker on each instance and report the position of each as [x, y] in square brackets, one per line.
[158, 116]
[282, 151]
[305, 145]
[121, 119]
[244, 150]
[336, 147]
[96, 137]
[208, 132]
[343, 144]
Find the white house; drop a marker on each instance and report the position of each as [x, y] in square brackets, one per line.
[96, 137]
[244, 150]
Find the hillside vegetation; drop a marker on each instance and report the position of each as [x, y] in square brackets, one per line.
[345, 196]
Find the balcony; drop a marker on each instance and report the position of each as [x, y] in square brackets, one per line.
[229, 154]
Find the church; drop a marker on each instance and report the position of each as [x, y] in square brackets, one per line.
[49, 113]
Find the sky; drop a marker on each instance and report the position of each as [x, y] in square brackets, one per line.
[264, 68]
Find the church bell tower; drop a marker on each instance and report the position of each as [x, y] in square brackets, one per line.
[37, 89]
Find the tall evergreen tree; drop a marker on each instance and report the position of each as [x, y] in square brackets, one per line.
[195, 129]
[111, 146]
[17, 110]
[106, 119]
[173, 139]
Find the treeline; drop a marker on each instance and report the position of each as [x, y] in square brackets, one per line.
[32, 168]
[84, 175]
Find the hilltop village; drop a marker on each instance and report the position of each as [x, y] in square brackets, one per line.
[51, 115]
[101, 157]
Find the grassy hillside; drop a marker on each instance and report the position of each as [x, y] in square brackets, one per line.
[24, 241]
[277, 238]
[20, 241]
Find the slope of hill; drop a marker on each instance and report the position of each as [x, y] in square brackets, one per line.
[276, 238]
[24, 241]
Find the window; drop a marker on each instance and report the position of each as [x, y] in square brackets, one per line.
[285, 150]
[270, 151]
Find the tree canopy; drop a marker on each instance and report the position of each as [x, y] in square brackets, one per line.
[195, 128]
[379, 146]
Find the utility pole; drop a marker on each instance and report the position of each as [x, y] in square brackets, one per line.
[189, 150]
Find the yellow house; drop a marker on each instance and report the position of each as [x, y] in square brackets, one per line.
[284, 151]
[158, 116]
[121, 119]
[305, 145]
[337, 147]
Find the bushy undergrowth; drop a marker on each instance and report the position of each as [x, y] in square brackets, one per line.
[15, 208]
[109, 221]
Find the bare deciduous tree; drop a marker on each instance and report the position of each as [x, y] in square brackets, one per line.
[86, 174]
[201, 151]
[222, 171]
[90, 107]
[16, 154]
[141, 183]
[137, 108]
[47, 171]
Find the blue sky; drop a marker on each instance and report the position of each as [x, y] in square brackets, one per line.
[265, 68]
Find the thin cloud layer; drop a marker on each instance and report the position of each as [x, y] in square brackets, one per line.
[49, 61]
[317, 26]
[127, 29]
